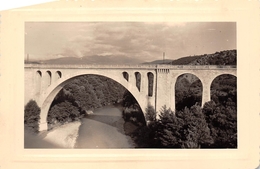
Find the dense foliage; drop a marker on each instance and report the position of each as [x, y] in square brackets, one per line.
[188, 91]
[183, 129]
[32, 116]
[221, 112]
[227, 57]
[82, 94]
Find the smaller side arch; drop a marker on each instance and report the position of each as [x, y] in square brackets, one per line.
[39, 73]
[138, 80]
[48, 79]
[150, 77]
[126, 76]
[38, 81]
[59, 75]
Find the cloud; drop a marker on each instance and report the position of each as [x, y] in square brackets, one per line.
[142, 41]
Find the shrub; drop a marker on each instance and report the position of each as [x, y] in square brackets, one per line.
[62, 113]
[32, 116]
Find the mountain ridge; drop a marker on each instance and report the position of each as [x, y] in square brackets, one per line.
[226, 57]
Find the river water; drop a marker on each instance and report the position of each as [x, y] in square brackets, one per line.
[103, 129]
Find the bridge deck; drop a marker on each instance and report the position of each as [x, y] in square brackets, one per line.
[144, 66]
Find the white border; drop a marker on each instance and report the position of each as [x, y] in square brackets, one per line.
[245, 13]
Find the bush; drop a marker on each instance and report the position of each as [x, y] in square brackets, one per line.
[62, 113]
[134, 115]
[32, 116]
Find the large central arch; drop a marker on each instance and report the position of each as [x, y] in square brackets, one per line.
[48, 96]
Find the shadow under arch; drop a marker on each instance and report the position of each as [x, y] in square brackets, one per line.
[54, 89]
[223, 86]
[188, 91]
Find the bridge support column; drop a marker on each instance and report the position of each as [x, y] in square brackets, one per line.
[173, 82]
[144, 84]
[43, 126]
[163, 89]
[206, 92]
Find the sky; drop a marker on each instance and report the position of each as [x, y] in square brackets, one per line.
[129, 42]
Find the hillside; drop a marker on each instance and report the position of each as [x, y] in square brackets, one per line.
[227, 57]
[166, 61]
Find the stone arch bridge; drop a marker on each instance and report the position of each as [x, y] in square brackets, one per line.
[43, 82]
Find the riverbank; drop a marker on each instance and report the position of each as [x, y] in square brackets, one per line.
[64, 136]
[105, 128]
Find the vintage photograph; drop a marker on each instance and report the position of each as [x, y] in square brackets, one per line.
[126, 85]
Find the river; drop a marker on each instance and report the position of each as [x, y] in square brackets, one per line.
[103, 129]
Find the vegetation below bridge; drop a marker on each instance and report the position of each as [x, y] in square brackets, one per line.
[189, 126]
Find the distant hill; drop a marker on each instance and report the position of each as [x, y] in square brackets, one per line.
[227, 57]
[31, 62]
[66, 60]
[166, 61]
[94, 59]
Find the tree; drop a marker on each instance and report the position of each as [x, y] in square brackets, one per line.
[169, 129]
[185, 129]
[150, 114]
[195, 128]
[222, 122]
[32, 116]
[221, 112]
[62, 113]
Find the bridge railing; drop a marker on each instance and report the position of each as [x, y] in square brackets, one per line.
[141, 66]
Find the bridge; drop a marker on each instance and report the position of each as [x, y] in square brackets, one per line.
[43, 82]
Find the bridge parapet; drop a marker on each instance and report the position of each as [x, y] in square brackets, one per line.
[144, 66]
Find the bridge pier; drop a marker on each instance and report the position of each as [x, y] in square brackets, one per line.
[173, 82]
[43, 126]
[163, 95]
[205, 92]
